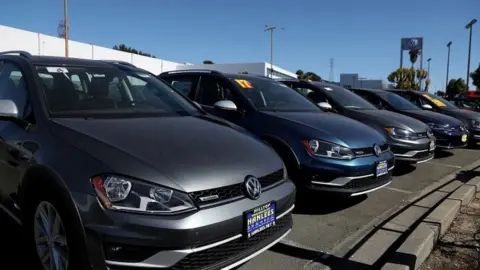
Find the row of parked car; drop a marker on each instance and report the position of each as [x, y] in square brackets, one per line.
[107, 166]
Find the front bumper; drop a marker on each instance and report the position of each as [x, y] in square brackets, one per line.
[346, 177]
[210, 238]
[450, 140]
[412, 151]
[474, 134]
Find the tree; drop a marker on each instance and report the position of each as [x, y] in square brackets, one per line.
[311, 76]
[476, 77]
[409, 78]
[440, 93]
[208, 62]
[414, 53]
[455, 87]
[125, 48]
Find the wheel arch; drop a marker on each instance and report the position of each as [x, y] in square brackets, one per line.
[283, 149]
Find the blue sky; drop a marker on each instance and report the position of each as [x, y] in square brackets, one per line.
[362, 36]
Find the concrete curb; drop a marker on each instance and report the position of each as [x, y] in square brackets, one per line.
[419, 244]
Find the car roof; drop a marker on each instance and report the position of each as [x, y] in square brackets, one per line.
[210, 71]
[369, 90]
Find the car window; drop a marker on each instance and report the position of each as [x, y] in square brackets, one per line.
[212, 90]
[397, 101]
[270, 95]
[377, 102]
[109, 92]
[14, 87]
[344, 97]
[439, 102]
[184, 84]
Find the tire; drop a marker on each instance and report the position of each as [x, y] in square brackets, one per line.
[71, 244]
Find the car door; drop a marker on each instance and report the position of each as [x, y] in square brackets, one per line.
[17, 140]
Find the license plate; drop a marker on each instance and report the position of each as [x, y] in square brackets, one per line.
[432, 145]
[382, 168]
[260, 218]
[464, 138]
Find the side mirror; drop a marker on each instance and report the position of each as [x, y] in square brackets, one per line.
[427, 107]
[8, 110]
[325, 106]
[225, 105]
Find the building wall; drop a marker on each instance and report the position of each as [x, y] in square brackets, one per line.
[349, 80]
[39, 44]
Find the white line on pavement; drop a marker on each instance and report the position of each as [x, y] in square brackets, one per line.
[399, 190]
[446, 165]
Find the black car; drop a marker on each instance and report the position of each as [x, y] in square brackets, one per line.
[431, 102]
[107, 167]
[449, 132]
[410, 140]
[322, 151]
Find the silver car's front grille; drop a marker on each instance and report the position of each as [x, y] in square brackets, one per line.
[232, 192]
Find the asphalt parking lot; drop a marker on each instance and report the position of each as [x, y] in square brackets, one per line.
[320, 223]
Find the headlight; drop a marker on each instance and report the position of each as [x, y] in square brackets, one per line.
[438, 127]
[475, 123]
[121, 193]
[402, 134]
[329, 150]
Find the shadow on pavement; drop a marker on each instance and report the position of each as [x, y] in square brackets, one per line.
[321, 203]
[403, 168]
[335, 263]
[439, 154]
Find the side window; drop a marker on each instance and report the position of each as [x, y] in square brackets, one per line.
[314, 96]
[372, 99]
[184, 84]
[210, 91]
[14, 87]
[414, 99]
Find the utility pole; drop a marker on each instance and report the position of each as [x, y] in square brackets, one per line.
[428, 69]
[469, 26]
[271, 29]
[448, 64]
[65, 21]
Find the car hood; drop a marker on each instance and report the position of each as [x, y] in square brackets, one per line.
[432, 117]
[185, 153]
[329, 127]
[383, 119]
[463, 115]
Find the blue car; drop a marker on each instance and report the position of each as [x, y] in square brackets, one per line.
[322, 151]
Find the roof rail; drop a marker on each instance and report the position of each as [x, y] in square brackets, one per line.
[124, 63]
[21, 53]
[192, 70]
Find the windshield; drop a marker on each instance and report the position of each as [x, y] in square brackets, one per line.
[346, 98]
[269, 95]
[439, 102]
[74, 91]
[398, 102]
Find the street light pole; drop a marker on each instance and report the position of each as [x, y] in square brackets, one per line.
[448, 64]
[428, 69]
[65, 21]
[271, 29]
[469, 26]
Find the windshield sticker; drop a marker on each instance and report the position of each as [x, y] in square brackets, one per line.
[98, 75]
[57, 70]
[435, 101]
[244, 83]
[328, 88]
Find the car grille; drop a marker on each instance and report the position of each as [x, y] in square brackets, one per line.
[367, 182]
[367, 151]
[234, 191]
[233, 251]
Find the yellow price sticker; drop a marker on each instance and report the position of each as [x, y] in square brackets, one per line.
[435, 101]
[244, 83]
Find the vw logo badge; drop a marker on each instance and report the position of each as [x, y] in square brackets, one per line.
[377, 149]
[253, 188]
[412, 43]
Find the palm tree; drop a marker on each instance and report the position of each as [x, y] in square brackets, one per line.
[414, 53]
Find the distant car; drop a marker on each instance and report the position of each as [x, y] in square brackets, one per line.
[469, 104]
[437, 104]
[322, 151]
[122, 172]
[449, 132]
[410, 140]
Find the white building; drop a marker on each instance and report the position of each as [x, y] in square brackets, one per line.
[40, 44]
[261, 68]
[353, 80]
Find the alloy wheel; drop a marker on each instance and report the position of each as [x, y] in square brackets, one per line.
[50, 237]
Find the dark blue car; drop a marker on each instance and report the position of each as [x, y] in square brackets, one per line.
[322, 151]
